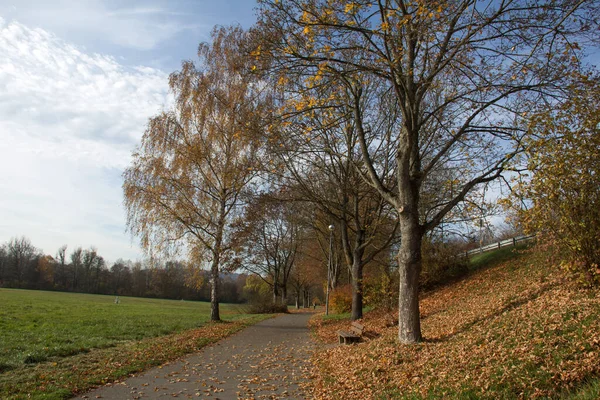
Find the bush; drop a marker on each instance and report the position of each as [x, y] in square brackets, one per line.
[340, 299]
[265, 307]
[564, 155]
[440, 264]
[381, 290]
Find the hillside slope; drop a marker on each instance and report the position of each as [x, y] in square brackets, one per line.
[515, 330]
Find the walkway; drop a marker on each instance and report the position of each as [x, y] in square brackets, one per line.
[269, 360]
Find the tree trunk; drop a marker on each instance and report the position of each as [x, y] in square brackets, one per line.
[357, 290]
[275, 292]
[214, 290]
[409, 268]
[216, 253]
[357, 275]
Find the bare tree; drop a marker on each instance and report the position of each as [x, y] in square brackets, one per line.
[3, 263]
[271, 238]
[76, 268]
[21, 253]
[61, 269]
[454, 79]
[320, 153]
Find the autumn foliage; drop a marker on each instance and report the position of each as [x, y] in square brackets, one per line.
[517, 330]
[564, 157]
[430, 89]
[341, 299]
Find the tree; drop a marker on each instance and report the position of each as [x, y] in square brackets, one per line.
[21, 254]
[92, 264]
[45, 272]
[307, 273]
[60, 272]
[3, 263]
[76, 268]
[271, 238]
[448, 82]
[186, 183]
[121, 277]
[322, 159]
[564, 157]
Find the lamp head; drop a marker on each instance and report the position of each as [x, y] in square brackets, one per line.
[331, 227]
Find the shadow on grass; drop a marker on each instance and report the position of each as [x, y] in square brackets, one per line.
[511, 305]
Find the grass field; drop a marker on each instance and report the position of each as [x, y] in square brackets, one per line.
[42, 332]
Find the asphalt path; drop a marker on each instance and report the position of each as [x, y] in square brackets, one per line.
[269, 360]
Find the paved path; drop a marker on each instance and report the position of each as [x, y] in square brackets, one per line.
[268, 360]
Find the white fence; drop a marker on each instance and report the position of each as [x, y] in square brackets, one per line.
[498, 245]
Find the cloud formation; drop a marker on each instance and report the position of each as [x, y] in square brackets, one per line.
[68, 123]
[140, 26]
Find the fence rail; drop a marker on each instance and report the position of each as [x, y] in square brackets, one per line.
[498, 245]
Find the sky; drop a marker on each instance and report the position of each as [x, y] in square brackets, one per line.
[78, 81]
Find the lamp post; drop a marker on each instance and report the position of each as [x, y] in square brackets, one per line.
[331, 227]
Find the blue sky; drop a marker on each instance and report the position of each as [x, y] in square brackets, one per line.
[78, 82]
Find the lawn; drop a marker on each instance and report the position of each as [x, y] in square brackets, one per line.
[44, 336]
[492, 258]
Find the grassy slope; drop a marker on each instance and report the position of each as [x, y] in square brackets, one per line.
[516, 329]
[54, 344]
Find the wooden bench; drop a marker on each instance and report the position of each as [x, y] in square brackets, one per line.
[353, 335]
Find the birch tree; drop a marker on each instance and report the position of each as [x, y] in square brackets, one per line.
[185, 186]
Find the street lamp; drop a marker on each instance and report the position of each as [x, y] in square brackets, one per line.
[331, 228]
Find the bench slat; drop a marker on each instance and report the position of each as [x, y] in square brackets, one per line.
[347, 334]
[353, 335]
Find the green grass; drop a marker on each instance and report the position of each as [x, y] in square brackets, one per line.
[495, 257]
[36, 326]
[589, 390]
[54, 345]
[335, 317]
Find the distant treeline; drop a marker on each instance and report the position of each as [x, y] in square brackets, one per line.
[24, 266]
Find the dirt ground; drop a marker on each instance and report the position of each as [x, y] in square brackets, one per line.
[269, 360]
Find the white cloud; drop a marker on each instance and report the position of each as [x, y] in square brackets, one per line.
[68, 123]
[135, 27]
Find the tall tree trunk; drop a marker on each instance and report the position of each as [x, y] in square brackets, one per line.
[409, 268]
[214, 290]
[275, 292]
[284, 295]
[357, 289]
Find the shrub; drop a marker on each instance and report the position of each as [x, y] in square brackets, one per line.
[265, 307]
[564, 156]
[440, 264]
[381, 290]
[340, 299]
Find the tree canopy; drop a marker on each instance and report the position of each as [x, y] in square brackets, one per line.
[186, 183]
[432, 87]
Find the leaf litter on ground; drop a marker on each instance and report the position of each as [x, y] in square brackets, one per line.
[517, 330]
